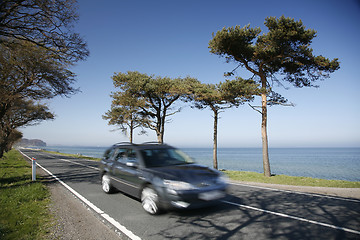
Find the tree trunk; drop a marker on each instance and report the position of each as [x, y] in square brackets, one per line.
[162, 127]
[215, 140]
[4, 107]
[160, 130]
[131, 131]
[3, 143]
[1, 151]
[160, 138]
[265, 148]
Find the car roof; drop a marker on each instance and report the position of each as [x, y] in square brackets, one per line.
[146, 145]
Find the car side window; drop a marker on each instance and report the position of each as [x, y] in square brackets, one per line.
[132, 155]
[120, 155]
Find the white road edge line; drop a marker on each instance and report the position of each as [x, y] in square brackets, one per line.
[296, 192]
[293, 217]
[111, 220]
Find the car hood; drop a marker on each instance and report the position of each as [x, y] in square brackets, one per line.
[187, 173]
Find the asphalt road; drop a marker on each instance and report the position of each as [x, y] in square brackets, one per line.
[248, 213]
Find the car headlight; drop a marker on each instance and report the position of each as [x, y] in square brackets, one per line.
[177, 185]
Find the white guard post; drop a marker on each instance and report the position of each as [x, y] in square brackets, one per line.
[33, 169]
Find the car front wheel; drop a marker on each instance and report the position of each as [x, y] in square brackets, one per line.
[150, 200]
[106, 184]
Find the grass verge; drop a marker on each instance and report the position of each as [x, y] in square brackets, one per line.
[24, 204]
[289, 180]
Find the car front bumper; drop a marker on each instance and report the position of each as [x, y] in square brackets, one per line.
[195, 198]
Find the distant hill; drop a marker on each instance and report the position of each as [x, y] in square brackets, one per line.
[24, 142]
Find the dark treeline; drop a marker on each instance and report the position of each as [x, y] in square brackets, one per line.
[37, 49]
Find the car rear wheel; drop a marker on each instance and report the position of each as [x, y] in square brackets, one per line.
[150, 200]
[106, 184]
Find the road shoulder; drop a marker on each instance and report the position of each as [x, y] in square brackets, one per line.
[71, 218]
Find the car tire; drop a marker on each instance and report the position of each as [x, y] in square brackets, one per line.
[150, 200]
[106, 184]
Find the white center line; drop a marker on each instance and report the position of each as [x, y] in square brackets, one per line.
[73, 162]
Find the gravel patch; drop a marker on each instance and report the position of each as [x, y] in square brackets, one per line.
[73, 220]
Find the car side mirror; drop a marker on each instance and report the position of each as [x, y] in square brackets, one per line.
[132, 163]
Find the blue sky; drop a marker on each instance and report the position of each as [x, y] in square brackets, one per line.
[170, 38]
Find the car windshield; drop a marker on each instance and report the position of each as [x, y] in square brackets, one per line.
[163, 157]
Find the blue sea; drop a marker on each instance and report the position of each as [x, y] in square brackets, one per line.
[325, 163]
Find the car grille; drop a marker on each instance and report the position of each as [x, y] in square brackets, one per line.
[204, 184]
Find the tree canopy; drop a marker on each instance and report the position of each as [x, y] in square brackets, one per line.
[27, 70]
[221, 96]
[156, 97]
[283, 53]
[21, 113]
[47, 23]
[38, 46]
[125, 112]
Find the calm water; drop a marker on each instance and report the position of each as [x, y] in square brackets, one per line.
[326, 163]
